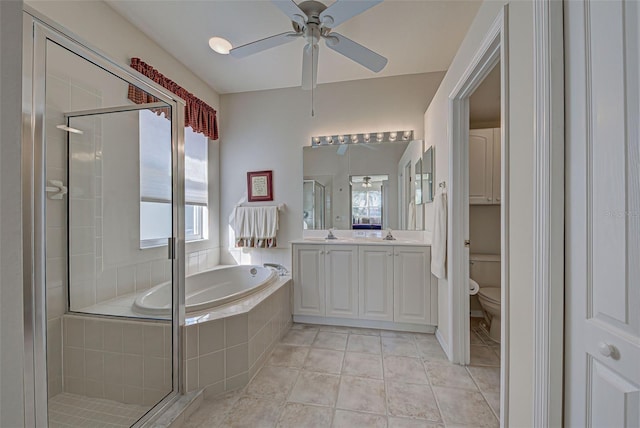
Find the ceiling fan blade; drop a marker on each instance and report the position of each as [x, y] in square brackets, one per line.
[291, 9]
[310, 66]
[343, 10]
[355, 51]
[263, 44]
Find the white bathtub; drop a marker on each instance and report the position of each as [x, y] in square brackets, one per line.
[207, 290]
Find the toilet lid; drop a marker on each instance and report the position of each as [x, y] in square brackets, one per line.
[490, 293]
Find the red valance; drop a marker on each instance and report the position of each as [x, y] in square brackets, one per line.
[197, 114]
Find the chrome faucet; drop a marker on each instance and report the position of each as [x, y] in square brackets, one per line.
[389, 236]
[331, 235]
[282, 271]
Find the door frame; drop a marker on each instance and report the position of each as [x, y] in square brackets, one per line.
[548, 215]
[548, 204]
[494, 49]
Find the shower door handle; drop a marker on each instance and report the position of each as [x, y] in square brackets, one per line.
[171, 244]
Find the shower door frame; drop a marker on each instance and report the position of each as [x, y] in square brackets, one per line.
[37, 29]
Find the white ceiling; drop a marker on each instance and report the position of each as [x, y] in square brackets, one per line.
[417, 36]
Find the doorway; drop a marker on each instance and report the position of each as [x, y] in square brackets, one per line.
[491, 54]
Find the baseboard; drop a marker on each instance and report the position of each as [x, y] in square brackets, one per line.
[443, 344]
[383, 325]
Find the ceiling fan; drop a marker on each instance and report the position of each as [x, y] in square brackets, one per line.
[313, 21]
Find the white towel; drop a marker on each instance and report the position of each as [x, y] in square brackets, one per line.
[439, 237]
[266, 221]
[256, 226]
[411, 214]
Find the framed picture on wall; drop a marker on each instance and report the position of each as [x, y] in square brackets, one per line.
[260, 186]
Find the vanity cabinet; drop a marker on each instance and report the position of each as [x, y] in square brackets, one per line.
[484, 166]
[412, 285]
[326, 279]
[383, 286]
[375, 278]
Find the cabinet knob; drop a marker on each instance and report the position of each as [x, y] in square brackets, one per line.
[489, 199]
[327, 252]
[389, 253]
[321, 252]
[498, 199]
[607, 350]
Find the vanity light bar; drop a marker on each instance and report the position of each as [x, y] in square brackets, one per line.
[365, 137]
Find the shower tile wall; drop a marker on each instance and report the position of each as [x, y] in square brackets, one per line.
[63, 95]
[121, 360]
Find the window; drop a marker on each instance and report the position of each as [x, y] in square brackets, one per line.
[155, 181]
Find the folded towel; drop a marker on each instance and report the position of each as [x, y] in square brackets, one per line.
[256, 226]
[439, 237]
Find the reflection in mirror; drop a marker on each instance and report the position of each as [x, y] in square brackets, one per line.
[337, 168]
[367, 199]
[94, 266]
[427, 175]
[418, 181]
[314, 205]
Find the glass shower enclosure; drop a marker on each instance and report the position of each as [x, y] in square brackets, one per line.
[313, 204]
[96, 360]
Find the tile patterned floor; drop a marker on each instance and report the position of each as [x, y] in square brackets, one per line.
[70, 410]
[325, 376]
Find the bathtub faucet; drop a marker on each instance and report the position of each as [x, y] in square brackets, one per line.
[282, 271]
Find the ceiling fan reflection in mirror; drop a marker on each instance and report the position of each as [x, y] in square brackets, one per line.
[314, 21]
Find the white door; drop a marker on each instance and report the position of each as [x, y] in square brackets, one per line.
[375, 282]
[480, 166]
[602, 345]
[341, 281]
[412, 285]
[308, 280]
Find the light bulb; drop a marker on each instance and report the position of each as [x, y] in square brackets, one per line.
[366, 137]
[393, 136]
[354, 138]
[379, 136]
[341, 139]
[329, 140]
[406, 135]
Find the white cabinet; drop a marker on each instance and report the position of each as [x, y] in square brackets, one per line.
[308, 280]
[388, 286]
[375, 283]
[341, 280]
[484, 166]
[412, 284]
[325, 280]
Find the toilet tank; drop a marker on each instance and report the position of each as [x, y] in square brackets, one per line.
[485, 269]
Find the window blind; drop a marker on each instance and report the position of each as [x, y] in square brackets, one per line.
[155, 161]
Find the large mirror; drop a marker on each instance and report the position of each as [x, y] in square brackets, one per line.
[361, 186]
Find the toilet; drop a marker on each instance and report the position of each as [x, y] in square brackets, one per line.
[485, 270]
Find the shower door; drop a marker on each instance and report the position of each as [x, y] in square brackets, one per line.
[106, 164]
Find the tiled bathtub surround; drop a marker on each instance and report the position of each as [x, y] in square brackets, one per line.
[325, 376]
[120, 360]
[222, 354]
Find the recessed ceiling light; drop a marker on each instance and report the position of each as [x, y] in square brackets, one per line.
[220, 45]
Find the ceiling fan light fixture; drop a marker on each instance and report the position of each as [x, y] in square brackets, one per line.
[220, 45]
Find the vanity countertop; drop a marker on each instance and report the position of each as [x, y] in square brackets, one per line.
[361, 241]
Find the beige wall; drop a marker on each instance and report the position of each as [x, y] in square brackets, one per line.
[266, 130]
[520, 160]
[11, 325]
